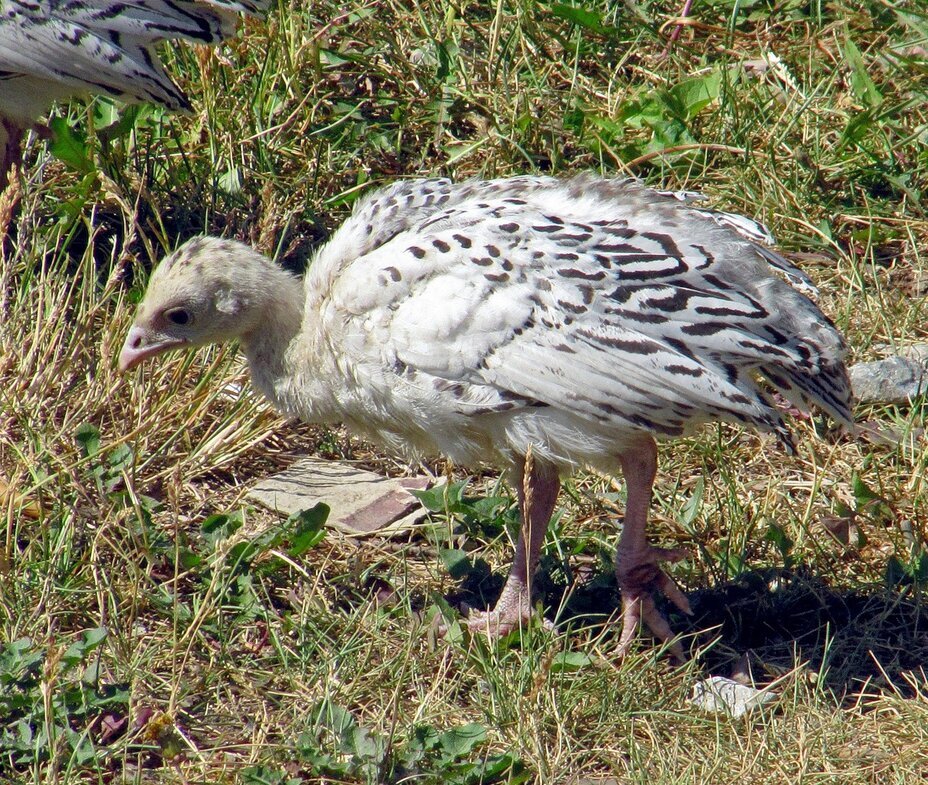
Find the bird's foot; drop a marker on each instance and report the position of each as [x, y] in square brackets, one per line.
[513, 610]
[501, 621]
[639, 576]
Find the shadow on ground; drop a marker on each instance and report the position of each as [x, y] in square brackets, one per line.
[859, 641]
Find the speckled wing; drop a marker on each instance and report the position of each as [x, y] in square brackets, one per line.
[611, 302]
[406, 203]
[58, 48]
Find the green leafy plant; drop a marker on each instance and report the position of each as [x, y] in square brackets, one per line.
[54, 699]
[337, 745]
[650, 120]
[487, 515]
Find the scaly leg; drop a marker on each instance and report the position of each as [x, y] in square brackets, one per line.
[538, 483]
[637, 564]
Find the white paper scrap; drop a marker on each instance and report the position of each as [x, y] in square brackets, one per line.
[730, 697]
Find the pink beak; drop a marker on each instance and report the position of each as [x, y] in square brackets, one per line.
[141, 344]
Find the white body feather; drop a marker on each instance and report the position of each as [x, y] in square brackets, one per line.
[474, 320]
[578, 319]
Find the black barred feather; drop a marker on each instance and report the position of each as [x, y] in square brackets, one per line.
[53, 50]
[630, 308]
[533, 323]
[573, 317]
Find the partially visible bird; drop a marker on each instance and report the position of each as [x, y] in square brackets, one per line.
[56, 49]
[533, 323]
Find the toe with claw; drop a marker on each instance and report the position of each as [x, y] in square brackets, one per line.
[639, 577]
[496, 624]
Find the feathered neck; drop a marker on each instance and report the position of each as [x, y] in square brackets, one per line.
[268, 342]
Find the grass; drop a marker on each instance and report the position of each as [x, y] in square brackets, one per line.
[157, 629]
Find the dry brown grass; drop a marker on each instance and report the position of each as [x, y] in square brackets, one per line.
[224, 661]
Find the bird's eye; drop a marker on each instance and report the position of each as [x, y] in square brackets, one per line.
[179, 316]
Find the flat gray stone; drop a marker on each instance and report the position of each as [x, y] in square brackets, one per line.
[915, 351]
[362, 503]
[895, 380]
[911, 351]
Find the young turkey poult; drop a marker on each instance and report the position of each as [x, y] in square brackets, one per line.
[570, 321]
[56, 49]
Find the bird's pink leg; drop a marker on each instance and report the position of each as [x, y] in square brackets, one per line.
[637, 564]
[537, 494]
